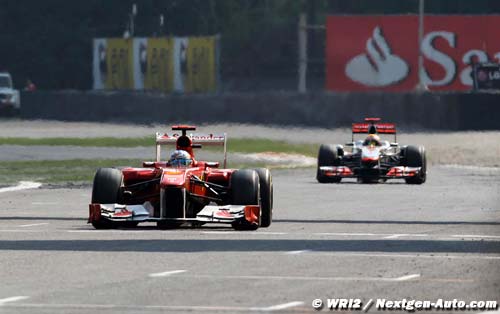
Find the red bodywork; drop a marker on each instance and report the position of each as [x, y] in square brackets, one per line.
[177, 193]
[173, 178]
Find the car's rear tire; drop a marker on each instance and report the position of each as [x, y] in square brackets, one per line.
[245, 190]
[106, 189]
[415, 157]
[327, 156]
[266, 196]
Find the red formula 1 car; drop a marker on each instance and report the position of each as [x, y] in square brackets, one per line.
[182, 190]
[371, 160]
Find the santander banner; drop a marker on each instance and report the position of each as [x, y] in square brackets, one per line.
[379, 52]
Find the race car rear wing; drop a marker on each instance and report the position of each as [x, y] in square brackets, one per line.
[373, 125]
[198, 140]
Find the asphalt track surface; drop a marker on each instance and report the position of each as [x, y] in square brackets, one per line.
[392, 241]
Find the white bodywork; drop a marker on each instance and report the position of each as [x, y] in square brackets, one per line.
[385, 148]
[8, 95]
[144, 212]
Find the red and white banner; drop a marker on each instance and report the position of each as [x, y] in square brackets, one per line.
[381, 52]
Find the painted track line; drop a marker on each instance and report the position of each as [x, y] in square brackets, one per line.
[408, 277]
[283, 306]
[23, 185]
[132, 231]
[395, 236]
[239, 232]
[13, 299]
[297, 252]
[44, 203]
[33, 225]
[301, 278]
[167, 273]
[348, 234]
[18, 230]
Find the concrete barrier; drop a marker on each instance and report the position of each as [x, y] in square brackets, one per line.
[458, 111]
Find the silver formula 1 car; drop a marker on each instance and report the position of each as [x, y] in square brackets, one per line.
[371, 160]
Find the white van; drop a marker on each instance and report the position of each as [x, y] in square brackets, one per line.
[9, 97]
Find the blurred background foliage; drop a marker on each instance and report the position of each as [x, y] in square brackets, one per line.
[50, 41]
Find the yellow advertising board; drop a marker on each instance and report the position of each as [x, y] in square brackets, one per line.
[119, 64]
[175, 64]
[160, 65]
[201, 67]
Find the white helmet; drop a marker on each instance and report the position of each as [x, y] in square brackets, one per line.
[180, 158]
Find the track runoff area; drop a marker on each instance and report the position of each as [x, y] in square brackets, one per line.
[362, 247]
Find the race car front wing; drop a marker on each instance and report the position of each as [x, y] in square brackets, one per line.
[248, 214]
[398, 172]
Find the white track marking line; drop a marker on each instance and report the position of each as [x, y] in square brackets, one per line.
[130, 231]
[18, 230]
[23, 185]
[395, 236]
[407, 235]
[239, 232]
[298, 278]
[32, 225]
[282, 306]
[297, 252]
[348, 234]
[12, 299]
[408, 277]
[167, 273]
[44, 203]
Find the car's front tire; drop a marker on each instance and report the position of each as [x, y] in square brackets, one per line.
[415, 157]
[106, 189]
[327, 156]
[266, 196]
[245, 190]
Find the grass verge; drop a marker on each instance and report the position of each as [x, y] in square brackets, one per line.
[242, 145]
[70, 171]
[82, 170]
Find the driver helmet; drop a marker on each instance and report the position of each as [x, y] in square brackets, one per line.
[180, 158]
[372, 140]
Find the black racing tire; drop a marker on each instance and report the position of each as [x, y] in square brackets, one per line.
[266, 196]
[106, 189]
[245, 190]
[415, 157]
[107, 186]
[327, 156]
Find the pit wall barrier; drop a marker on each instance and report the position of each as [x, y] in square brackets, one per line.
[436, 111]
